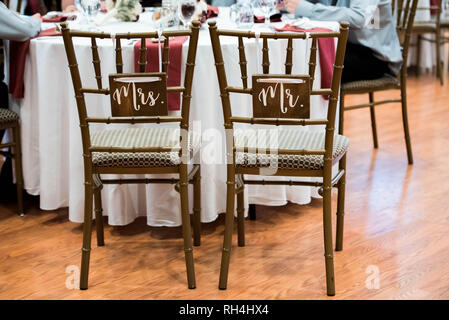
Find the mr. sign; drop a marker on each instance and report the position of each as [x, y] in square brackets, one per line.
[281, 96]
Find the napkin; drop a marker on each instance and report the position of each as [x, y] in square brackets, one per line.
[58, 18]
[174, 67]
[326, 50]
[277, 17]
[434, 3]
[303, 23]
[18, 52]
[212, 12]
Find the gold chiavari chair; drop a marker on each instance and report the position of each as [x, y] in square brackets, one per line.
[10, 120]
[299, 153]
[406, 10]
[148, 150]
[431, 27]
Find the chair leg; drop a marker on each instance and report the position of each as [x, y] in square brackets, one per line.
[18, 167]
[186, 229]
[229, 225]
[252, 212]
[241, 218]
[373, 120]
[327, 227]
[405, 120]
[341, 116]
[99, 216]
[438, 56]
[418, 54]
[341, 206]
[197, 209]
[87, 234]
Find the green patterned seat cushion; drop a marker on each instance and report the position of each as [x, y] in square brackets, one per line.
[289, 139]
[7, 116]
[363, 86]
[139, 138]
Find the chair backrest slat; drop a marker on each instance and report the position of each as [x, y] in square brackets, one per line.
[265, 57]
[118, 56]
[96, 62]
[165, 55]
[243, 63]
[312, 61]
[143, 55]
[289, 57]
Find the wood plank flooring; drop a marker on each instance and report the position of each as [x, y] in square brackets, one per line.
[397, 222]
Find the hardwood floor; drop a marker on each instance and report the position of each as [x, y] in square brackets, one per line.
[397, 221]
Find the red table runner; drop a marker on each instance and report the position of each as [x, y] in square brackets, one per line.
[18, 52]
[434, 3]
[326, 50]
[174, 67]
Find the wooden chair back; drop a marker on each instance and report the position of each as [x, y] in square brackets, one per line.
[332, 93]
[81, 90]
[405, 15]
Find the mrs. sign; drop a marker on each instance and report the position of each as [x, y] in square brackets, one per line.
[138, 94]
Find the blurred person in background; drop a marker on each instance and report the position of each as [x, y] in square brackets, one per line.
[373, 48]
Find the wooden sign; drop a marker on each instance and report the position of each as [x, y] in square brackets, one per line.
[138, 94]
[281, 96]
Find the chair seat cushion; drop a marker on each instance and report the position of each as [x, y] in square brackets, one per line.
[139, 138]
[363, 86]
[7, 116]
[290, 139]
[424, 26]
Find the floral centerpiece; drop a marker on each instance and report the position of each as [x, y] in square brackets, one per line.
[125, 10]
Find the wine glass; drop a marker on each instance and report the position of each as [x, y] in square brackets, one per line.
[91, 9]
[186, 11]
[267, 7]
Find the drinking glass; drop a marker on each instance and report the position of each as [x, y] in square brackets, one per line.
[169, 13]
[267, 7]
[186, 11]
[91, 9]
[242, 14]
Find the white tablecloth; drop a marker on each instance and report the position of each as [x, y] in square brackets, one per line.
[52, 152]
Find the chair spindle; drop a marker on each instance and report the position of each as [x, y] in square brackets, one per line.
[312, 61]
[289, 57]
[143, 55]
[165, 55]
[243, 63]
[265, 57]
[96, 62]
[118, 56]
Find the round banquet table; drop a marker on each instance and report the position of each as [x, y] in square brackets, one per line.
[52, 150]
